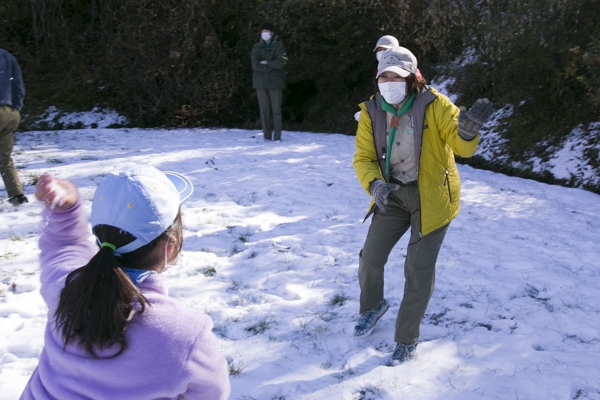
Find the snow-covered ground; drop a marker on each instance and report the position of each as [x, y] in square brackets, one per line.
[271, 249]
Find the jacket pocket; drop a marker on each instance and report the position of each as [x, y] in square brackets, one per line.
[447, 184]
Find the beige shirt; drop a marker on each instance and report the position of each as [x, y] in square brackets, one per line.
[403, 164]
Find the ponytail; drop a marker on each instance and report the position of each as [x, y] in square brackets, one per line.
[95, 304]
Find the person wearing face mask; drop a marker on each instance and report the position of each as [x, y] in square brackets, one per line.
[268, 58]
[384, 43]
[406, 140]
[387, 42]
[113, 332]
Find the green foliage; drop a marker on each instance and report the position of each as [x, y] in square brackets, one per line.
[338, 300]
[591, 76]
[165, 66]
[187, 62]
[537, 55]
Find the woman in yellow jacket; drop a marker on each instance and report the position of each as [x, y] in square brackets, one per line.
[407, 137]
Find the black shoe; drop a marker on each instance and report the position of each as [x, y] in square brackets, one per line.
[18, 200]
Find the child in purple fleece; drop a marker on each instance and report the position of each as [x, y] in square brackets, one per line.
[112, 331]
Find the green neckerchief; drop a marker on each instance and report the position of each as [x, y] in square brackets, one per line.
[406, 107]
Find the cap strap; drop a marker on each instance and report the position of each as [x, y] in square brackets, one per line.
[112, 246]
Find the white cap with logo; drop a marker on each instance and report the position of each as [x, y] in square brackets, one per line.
[399, 60]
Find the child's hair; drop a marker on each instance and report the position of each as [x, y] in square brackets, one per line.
[98, 299]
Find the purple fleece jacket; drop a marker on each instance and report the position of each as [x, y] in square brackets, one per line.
[171, 354]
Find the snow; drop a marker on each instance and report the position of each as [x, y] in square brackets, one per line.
[95, 118]
[443, 86]
[570, 161]
[272, 236]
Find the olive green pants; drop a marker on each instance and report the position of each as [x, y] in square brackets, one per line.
[9, 121]
[404, 211]
[269, 102]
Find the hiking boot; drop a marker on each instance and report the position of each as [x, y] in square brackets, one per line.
[403, 352]
[369, 318]
[18, 200]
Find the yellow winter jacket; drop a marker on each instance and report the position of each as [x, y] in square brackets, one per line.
[435, 122]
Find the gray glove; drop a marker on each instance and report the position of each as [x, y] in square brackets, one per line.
[470, 122]
[380, 191]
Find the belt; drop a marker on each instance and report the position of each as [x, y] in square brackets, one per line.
[396, 181]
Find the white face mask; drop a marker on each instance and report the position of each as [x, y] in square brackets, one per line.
[378, 55]
[266, 36]
[393, 92]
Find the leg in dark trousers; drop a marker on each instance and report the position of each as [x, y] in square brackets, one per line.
[385, 231]
[276, 96]
[419, 271]
[264, 104]
[269, 102]
[404, 211]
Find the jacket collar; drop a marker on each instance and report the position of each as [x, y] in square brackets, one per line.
[155, 283]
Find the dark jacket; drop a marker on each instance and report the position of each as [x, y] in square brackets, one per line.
[12, 90]
[271, 75]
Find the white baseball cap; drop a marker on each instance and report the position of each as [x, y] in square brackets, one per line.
[142, 201]
[387, 41]
[399, 60]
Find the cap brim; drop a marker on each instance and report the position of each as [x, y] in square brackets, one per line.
[383, 46]
[402, 72]
[182, 184]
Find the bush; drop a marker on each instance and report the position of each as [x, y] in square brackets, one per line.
[187, 62]
[591, 76]
[536, 55]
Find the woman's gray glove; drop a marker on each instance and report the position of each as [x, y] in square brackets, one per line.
[470, 122]
[380, 191]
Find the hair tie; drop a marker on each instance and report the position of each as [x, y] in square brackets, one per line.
[112, 246]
